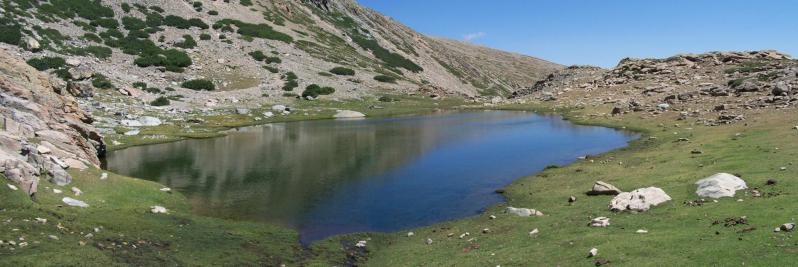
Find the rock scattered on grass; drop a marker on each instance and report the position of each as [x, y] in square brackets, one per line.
[57, 191]
[158, 209]
[639, 200]
[720, 185]
[771, 182]
[534, 232]
[592, 253]
[602, 188]
[74, 202]
[428, 241]
[409, 234]
[361, 244]
[787, 227]
[166, 189]
[642, 231]
[76, 191]
[12, 187]
[523, 212]
[104, 176]
[492, 217]
[600, 222]
[572, 199]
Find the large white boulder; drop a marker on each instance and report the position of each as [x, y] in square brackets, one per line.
[523, 212]
[150, 121]
[602, 188]
[720, 185]
[348, 114]
[639, 200]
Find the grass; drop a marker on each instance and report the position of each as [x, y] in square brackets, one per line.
[678, 234]
[385, 79]
[263, 31]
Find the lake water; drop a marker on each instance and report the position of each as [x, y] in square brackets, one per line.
[340, 176]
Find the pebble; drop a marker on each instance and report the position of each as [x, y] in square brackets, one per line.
[361, 244]
[12, 187]
[76, 191]
[492, 217]
[641, 231]
[592, 253]
[57, 191]
[104, 176]
[158, 209]
[534, 232]
[53, 237]
[409, 234]
[429, 241]
[486, 230]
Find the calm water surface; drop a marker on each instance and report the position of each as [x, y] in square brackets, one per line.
[340, 176]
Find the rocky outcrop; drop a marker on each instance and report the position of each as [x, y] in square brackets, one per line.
[43, 132]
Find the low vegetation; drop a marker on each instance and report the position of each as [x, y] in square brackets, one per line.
[199, 85]
[99, 81]
[342, 71]
[47, 63]
[385, 79]
[263, 31]
[160, 101]
[315, 91]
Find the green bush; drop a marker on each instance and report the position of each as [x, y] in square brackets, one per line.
[154, 20]
[388, 99]
[187, 43]
[271, 69]
[385, 79]
[108, 23]
[391, 59]
[46, 63]
[126, 7]
[160, 101]
[87, 9]
[263, 31]
[92, 37]
[152, 90]
[100, 52]
[342, 71]
[101, 82]
[325, 74]
[157, 9]
[270, 60]
[290, 76]
[246, 2]
[199, 85]
[213, 12]
[140, 85]
[10, 32]
[257, 55]
[290, 85]
[182, 23]
[132, 24]
[205, 36]
[314, 91]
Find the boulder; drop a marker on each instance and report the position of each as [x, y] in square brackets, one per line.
[31, 44]
[720, 185]
[74, 62]
[348, 114]
[150, 121]
[242, 111]
[59, 176]
[279, 108]
[523, 212]
[639, 200]
[602, 188]
[158, 209]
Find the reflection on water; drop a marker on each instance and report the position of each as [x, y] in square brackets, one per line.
[332, 177]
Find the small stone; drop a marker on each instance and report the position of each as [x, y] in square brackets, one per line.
[572, 199]
[600, 222]
[74, 202]
[641, 231]
[158, 209]
[409, 234]
[12, 187]
[592, 253]
[104, 176]
[53, 237]
[492, 217]
[429, 241]
[486, 230]
[534, 232]
[361, 244]
[41, 220]
[43, 149]
[787, 227]
[76, 191]
[166, 189]
[463, 235]
[783, 168]
[771, 182]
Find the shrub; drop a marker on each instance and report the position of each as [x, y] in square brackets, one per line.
[205, 36]
[187, 43]
[314, 91]
[101, 82]
[140, 85]
[108, 23]
[271, 69]
[325, 74]
[132, 24]
[154, 20]
[385, 79]
[100, 52]
[63, 74]
[199, 85]
[342, 71]
[92, 37]
[290, 76]
[263, 31]
[46, 63]
[10, 32]
[392, 59]
[182, 23]
[257, 55]
[270, 60]
[152, 90]
[213, 12]
[246, 2]
[126, 7]
[160, 101]
[290, 85]
[157, 9]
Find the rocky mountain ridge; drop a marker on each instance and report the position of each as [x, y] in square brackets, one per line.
[713, 88]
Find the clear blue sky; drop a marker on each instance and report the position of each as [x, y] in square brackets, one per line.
[603, 32]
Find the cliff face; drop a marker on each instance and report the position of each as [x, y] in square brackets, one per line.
[43, 132]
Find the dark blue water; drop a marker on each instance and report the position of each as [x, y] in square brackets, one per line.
[332, 177]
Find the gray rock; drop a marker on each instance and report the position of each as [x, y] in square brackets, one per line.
[348, 114]
[720, 185]
[243, 111]
[639, 200]
[602, 188]
[523, 212]
[59, 176]
[600, 222]
[149, 121]
[74, 202]
[31, 44]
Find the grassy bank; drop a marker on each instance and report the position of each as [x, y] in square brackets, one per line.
[679, 234]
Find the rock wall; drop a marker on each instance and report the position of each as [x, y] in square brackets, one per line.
[43, 132]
